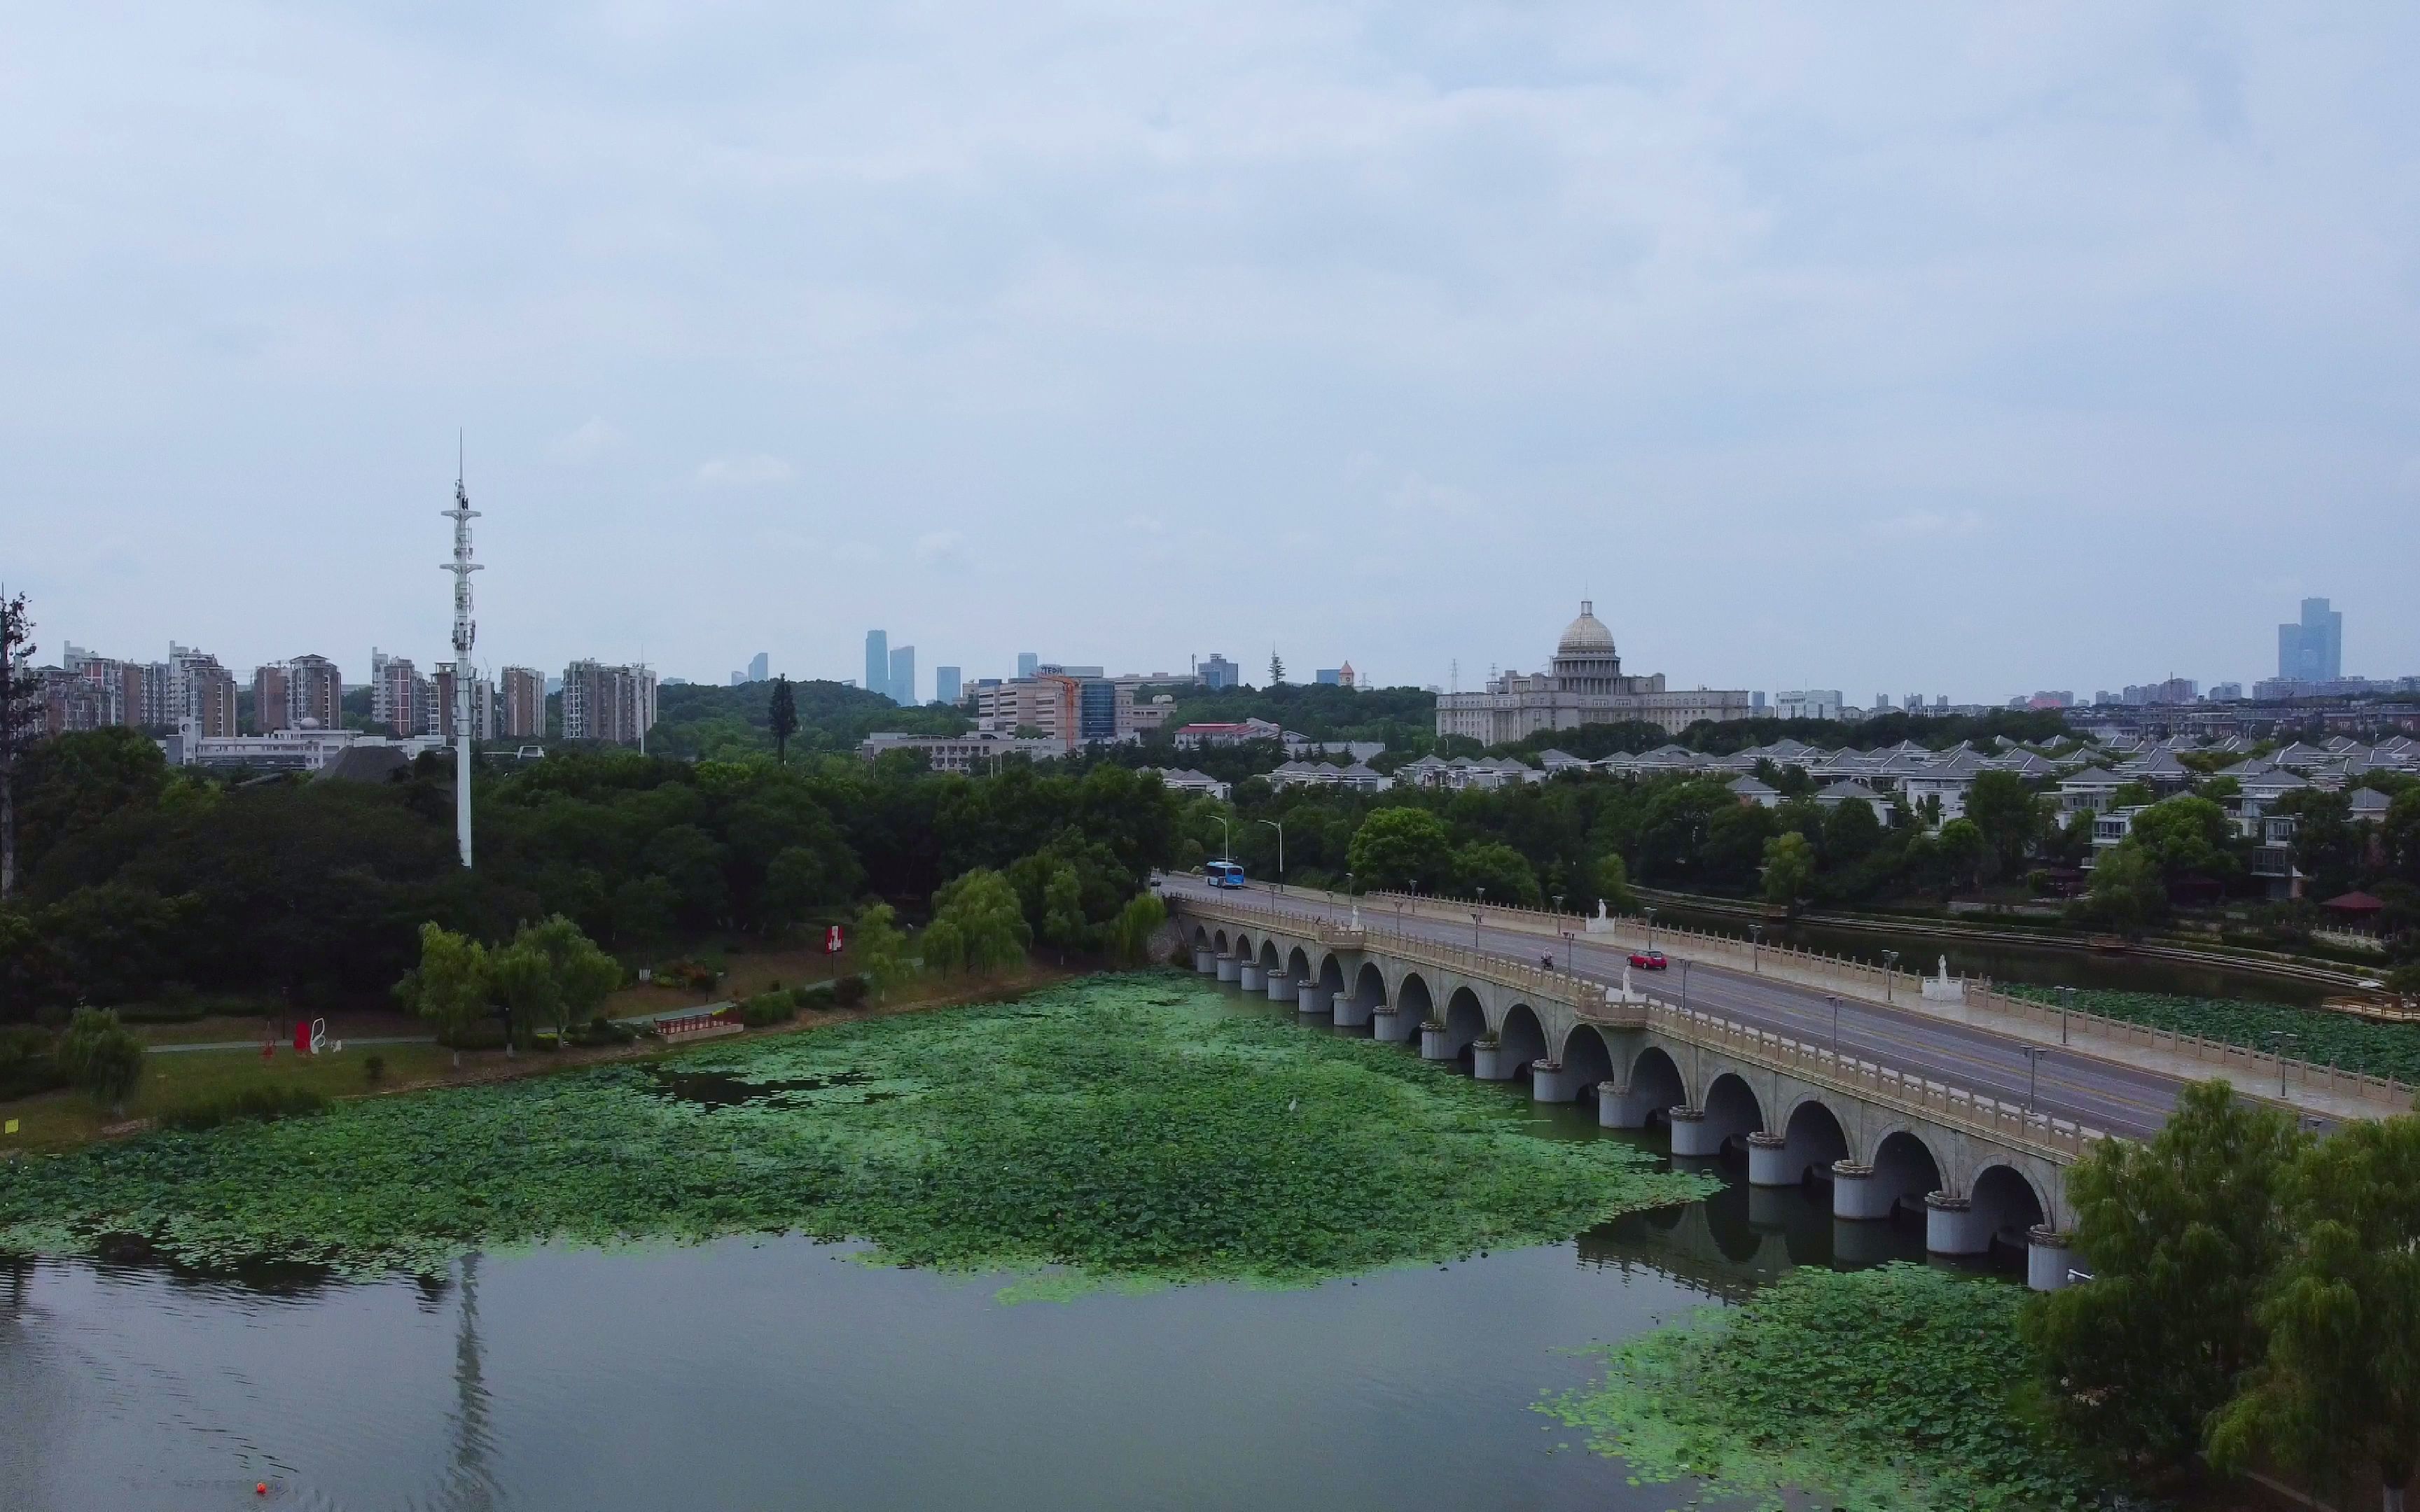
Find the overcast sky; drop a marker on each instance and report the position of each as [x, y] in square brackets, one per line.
[1971, 349]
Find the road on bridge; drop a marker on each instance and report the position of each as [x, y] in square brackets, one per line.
[2083, 1088]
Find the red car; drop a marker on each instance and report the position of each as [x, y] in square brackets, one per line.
[1648, 960]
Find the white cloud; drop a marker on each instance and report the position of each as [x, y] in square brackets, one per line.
[751, 470]
[584, 442]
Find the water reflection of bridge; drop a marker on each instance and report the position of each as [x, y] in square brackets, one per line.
[1744, 1236]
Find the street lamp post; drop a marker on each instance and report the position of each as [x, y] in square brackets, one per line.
[1474, 929]
[1351, 899]
[2066, 1006]
[2278, 1040]
[2033, 1072]
[1756, 948]
[1685, 985]
[1226, 838]
[1835, 1001]
[1281, 829]
[1890, 973]
[1651, 927]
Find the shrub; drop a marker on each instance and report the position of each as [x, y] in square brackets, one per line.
[817, 998]
[373, 1069]
[847, 992]
[253, 1104]
[768, 1009]
[26, 1063]
[101, 1056]
[602, 1031]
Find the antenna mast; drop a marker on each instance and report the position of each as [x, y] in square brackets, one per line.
[466, 631]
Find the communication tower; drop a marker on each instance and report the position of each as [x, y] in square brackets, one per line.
[466, 631]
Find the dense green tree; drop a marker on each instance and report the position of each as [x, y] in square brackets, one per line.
[1961, 853]
[978, 925]
[2180, 1234]
[1611, 877]
[2127, 891]
[1733, 852]
[101, 1056]
[2007, 812]
[1496, 871]
[450, 987]
[2328, 846]
[21, 695]
[1789, 869]
[2339, 1386]
[1130, 934]
[782, 718]
[2187, 836]
[2401, 835]
[1397, 849]
[879, 949]
[1851, 833]
[77, 782]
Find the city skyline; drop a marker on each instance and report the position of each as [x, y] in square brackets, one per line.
[1719, 325]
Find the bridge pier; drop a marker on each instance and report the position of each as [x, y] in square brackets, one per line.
[1952, 1227]
[1433, 1044]
[1693, 1135]
[2047, 1259]
[1349, 1013]
[1310, 997]
[1768, 1163]
[1205, 960]
[1226, 967]
[1618, 1107]
[1856, 1196]
[1281, 987]
[1551, 1081]
[1490, 1061]
[1389, 1025]
[1247, 976]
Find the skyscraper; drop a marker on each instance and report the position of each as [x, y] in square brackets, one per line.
[877, 662]
[947, 684]
[1027, 661]
[524, 704]
[2313, 650]
[760, 667]
[902, 677]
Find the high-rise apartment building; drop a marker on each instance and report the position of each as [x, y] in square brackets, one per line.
[877, 662]
[1027, 662]
[201, 690]
[287, 694]
[269, 698]
[396, 700]
[483, 704]
[760, 667]
[523, 715]
[1218, 673]
[948, 684]
[2312, 648]
[613, 705]
[902, 677]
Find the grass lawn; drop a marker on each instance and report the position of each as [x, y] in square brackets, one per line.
[172, 1082]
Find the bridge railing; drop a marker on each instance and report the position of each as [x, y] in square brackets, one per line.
[2254, 1068]
[1944, 1103]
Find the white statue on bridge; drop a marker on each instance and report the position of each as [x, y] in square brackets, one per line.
[1941, 989]
[1600, 924]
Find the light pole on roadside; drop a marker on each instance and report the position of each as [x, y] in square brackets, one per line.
[2066, 1006]
[1651, 927]
[2278, 1040]
[1281, 829]
[1756, 948]
[1226, 838]
[1353, 901]
[1835, 1001]
[1474, 929]
[1685, 985]
[2033, 1072]
[1890, 972]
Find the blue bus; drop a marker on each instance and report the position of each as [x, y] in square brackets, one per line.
[1223, 873]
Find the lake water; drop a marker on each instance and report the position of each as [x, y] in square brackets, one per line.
[780, 1373]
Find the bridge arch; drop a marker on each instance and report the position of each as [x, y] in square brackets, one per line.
[1268, 954]
[1522, 1040]
[1219, 939]
[1412, 996]
[2005, 1203]
[1465, 1021]
[1330, 976]
[1812, 1139]
[1369, 986]
[1656, 1078]
[1586, 1060]
[1731, 1110]
[1905, 1169]
[1298, 964]
[1200, 936]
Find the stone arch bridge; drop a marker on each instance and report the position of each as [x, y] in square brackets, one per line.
[1982, 1171]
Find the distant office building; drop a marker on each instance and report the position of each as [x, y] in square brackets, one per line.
[611, 705]
[1218, 673]
[522, 705]
[1809, 703]
[760, 667]
[2173, 690]
[948, 684]
[1028, 663]
[1754, 704]
[1328, 676]
[2312, 651]
[2224, 693]
[1585, 684]
[1914, 703]
[902, 677]
[1071, 711]
[877, 662]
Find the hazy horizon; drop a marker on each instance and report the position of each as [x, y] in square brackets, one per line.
[1884, 350]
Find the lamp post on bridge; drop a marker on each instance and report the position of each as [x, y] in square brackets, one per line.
[1756, 948]
[1351, 899]
[1474, 929]
[1835, 1000]
[2066, 1006]
[2033, 1072]
[1890, 973]
[1650, 912]
[1685, 984]
[2278, 1040]
[1226, 838]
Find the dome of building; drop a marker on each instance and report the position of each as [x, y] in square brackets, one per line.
[1585, 634]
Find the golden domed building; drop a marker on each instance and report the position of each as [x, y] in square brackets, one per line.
[1587, 685]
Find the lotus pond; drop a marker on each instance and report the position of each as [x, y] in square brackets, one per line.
[1134, 1242]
